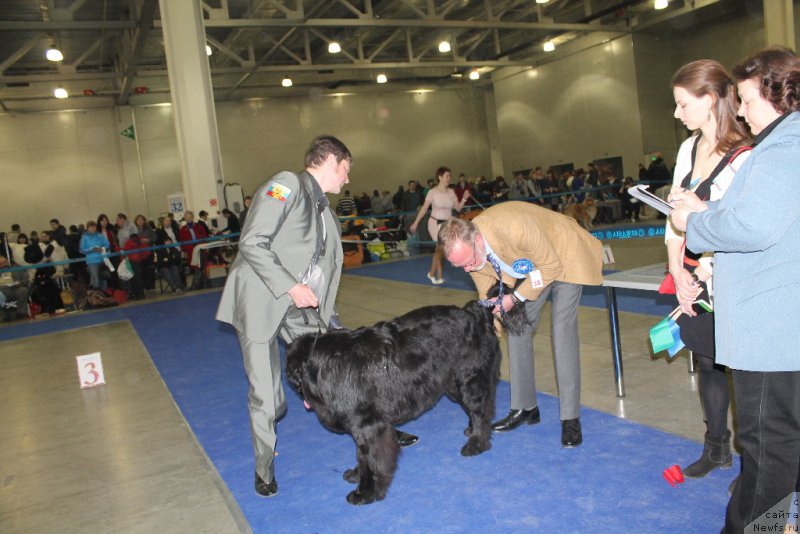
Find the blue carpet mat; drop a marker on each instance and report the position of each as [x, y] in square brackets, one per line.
[414, 269]
[525, 483]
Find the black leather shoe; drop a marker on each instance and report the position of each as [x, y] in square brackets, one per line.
[404, 439]
[516, 418]
[571, 435]
[266, 489]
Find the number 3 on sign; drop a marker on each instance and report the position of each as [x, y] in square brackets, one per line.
[90, 370]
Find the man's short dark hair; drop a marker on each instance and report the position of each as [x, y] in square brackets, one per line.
[54, 221]
[122, 216]
[324, 145]
[15, 228]
[202, 213]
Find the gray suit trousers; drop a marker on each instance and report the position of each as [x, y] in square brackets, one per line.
[566, 351]
[266, 400]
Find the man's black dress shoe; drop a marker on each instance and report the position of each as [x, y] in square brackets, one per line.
[516, 418]
[404, 439]
[266, 489]
[571, 435]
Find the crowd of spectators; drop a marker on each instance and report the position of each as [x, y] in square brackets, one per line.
[551, 189]
[100, 246]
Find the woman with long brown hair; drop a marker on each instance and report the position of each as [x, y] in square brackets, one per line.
[705, 101]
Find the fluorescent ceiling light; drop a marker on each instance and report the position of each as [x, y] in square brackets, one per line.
[474, 74]
[287, 82]
[381, 78]
[444, 47]
[542, 1]
[54, 54]
[60, 92]
[334, 48]
[548, 46]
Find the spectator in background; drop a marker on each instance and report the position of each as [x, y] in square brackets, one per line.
[412, 198]
[58, 232]
[483, 191]
[578, 185]
[72, 246]
[203, 221]
[124, 229]
[363, 204]
[137, 257]
[397, 199]
[92, 245]
[233, 224]
[243, 213]
[499, 189]
[463, 185]
[630, 206]
[534, 181]
[518, 190]
[192, 232]
[346, 205]
[13, 234]
[642, 173]
[18, 249]
[592, 175]
[53, 251]
[168, 261]
[147, 238]
[15, 288]
[105, 227]
[658, 173]
[44, 292]
[550, 187]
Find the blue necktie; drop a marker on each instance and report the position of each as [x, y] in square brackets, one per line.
[491, 303]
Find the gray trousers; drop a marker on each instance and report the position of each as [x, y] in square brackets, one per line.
[266, 400]
[566, 351]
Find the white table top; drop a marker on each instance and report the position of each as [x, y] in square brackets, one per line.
[648, 278]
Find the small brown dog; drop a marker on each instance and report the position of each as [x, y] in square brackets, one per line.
[583, 212]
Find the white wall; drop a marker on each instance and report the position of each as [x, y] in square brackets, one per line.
[578, 109]
[75, 165]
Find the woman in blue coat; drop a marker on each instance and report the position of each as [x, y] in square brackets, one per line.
[754, 231]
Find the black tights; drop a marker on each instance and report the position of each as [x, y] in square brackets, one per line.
[715, 395]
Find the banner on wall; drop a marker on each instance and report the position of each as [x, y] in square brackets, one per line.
[176, 204]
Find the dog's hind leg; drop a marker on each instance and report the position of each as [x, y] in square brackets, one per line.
[377, 452]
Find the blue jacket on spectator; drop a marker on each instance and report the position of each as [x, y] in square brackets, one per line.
[88, 242]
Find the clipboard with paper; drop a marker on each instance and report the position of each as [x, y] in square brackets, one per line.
[640, 193]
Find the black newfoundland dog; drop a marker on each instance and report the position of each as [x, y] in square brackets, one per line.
[363, 382]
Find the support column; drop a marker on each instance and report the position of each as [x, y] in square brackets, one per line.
[193, 105]
[779, 23]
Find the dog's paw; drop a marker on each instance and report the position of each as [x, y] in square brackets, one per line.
[354, 497]
[474, 448]
[351, 475]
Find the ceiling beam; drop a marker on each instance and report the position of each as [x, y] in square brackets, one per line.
[21, 51]
[144, 24]
[67, 25]
[409, 23]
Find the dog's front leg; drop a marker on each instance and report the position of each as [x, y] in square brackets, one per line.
[377, 452]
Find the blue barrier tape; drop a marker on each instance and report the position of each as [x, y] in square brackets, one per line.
[120, 253]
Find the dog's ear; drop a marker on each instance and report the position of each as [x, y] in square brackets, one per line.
[297, 354]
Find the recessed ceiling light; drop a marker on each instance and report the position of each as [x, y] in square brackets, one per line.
[334, 48]
[286, 82]
[548, 46]
[54, 54]
[381, 78]
[444, 47]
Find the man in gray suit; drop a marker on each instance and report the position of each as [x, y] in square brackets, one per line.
[284, 282]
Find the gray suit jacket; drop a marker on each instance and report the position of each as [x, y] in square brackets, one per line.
[275, 249]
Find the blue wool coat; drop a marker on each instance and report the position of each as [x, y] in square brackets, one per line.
[754, 231]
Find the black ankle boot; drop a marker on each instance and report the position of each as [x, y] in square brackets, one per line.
[716, 453]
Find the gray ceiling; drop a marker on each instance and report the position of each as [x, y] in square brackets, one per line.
[115, 48]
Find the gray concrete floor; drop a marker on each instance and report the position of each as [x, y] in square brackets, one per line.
[65, 453]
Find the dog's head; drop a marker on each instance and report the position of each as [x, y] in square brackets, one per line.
[298, 354]
[515, 321]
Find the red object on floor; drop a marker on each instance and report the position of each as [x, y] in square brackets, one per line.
[673, 475]
[120, 295]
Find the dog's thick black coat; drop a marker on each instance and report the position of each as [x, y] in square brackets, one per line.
[363, 382]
